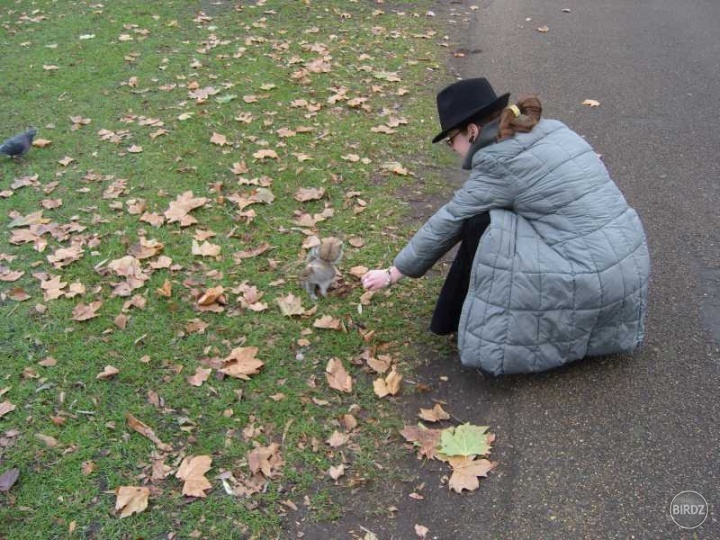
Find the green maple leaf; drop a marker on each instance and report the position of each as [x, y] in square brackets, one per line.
[464, 440]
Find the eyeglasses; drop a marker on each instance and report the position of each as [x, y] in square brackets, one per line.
[449, 140]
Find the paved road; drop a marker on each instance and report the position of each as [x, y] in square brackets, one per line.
[599, 450]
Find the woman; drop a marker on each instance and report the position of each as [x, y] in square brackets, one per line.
[553, 264]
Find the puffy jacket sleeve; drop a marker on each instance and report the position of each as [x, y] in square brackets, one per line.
[485, 189]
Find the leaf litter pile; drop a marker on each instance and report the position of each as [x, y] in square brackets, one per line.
[160, 359]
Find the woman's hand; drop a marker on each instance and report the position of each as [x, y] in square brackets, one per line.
[375, 280]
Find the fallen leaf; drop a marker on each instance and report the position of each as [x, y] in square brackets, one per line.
[206, 249]
[264, 154]
[337, 439]
[47, 439]
[427, 440]
[435, 414]
[421, 531]
[107, 373]
[131, 500]
[336, 376]
[41, 143]
[201, 375]
[146, 431]
[359, 271]
[212, 295]
[327, 322]
[465, 440]
[336, 472]
[6, 407]
[218, 139]
[290, 305]
[83, 312]
[591, 103]
[8, 479]
[192, 470]
[543, 29]
[265, 460]
[241, 363]
[309, 194]
[390, 385]
[466, 472]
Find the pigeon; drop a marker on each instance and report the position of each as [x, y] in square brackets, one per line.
[18, 145]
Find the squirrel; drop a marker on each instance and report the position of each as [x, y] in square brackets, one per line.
[320, 268]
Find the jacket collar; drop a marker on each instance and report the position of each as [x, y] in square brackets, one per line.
[488, 136]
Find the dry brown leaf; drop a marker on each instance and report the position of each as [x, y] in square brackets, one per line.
[466, 472]
[131, 500]
[327, 322]
[83, 312]
[337, 377]
[201, 375]
[211, 296]
[359, 271]
[47, 439]
[421, 531]
[591, 103]
[241, 363]
[291, 305]
[8, 479]
[6, 407]
[380, 364]
[543, 29]
[87, 468]
[41, 143]
[165, 290]
[9, 276]
[337, 439]
[427, 440]
[265, 460]
[390, 385]
[107, 373]
[218, 139]
[146, 431]
[309, 194]
[206, 249]
[192, 470]
[435, 414]
[265, 153]
[336, 472]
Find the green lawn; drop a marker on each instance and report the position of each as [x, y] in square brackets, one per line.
[242, 104]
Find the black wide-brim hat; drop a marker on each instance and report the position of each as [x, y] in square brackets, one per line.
[464, 100]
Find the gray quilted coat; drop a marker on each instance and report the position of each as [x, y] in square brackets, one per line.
[561, 272]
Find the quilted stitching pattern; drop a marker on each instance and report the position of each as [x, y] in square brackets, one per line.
[562, 275]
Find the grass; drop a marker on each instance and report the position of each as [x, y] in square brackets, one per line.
[129, 68]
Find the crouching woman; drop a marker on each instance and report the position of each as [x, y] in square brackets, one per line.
[553, 264]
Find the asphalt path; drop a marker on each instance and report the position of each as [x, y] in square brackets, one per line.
[600, 450]
[597, 450]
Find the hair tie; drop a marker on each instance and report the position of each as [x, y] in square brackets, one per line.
[515, 110]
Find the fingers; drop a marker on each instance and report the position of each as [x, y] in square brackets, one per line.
[371, 281]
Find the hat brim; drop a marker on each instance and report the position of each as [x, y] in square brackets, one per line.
[499, 103]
